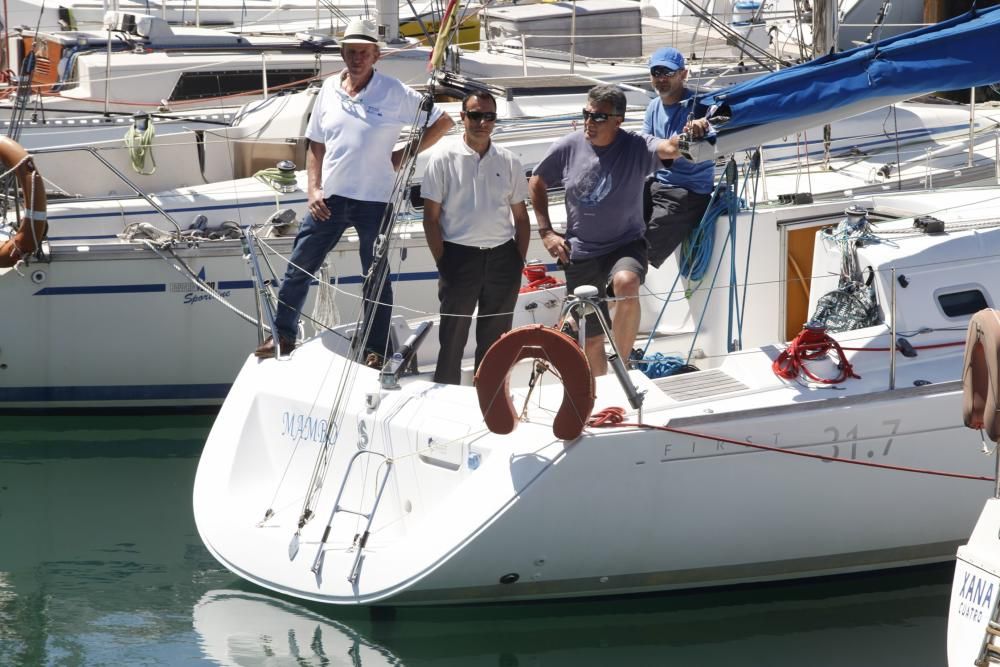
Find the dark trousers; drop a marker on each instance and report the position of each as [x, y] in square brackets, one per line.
[315, 239]
[671, 215]
[489, 277]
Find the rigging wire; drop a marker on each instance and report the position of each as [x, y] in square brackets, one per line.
[372, 285]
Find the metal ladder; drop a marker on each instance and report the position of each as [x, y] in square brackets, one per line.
[989, 652]
[361, 539]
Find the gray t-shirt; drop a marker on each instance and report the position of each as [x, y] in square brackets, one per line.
[603, 188]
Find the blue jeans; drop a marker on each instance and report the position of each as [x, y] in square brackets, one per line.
[314, 240]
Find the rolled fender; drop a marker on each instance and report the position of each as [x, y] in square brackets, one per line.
[981, 373]
[539, 342]
[34, 225]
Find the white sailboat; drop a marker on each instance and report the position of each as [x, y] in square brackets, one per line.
[330, 481]
[460, 513]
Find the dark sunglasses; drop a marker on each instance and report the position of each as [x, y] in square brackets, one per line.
[488, 116]
[663, 72]
[598, 116]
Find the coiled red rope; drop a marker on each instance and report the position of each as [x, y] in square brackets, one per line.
[812, 343]
[538, 278]
[607, 417]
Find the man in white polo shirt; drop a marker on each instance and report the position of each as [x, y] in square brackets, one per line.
[477, 229]
[350, 167]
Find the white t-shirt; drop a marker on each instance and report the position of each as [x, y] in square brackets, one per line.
[475, 193]
[359, 134]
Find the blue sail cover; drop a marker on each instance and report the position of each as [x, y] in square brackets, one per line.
[962, 52]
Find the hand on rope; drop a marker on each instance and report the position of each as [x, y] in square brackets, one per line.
[812, 343]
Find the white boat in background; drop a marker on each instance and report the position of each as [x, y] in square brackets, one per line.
[973, 630]
[89, 14]
[182, 306]
[141, 63]
[85, 260]
[153, 65]
[87, 161]
[211, 170]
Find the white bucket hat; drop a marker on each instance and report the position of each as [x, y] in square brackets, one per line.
[360, 31]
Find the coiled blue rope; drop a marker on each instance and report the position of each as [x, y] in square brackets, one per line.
[659, 365]
[696, 250]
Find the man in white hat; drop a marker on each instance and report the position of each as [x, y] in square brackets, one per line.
[350, 167]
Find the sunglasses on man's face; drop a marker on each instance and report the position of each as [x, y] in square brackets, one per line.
[487, 116]
[597, 116]
[663, 72]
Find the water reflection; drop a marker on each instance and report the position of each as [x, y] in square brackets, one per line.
[246, 629]
[870, 619]
[99, 558]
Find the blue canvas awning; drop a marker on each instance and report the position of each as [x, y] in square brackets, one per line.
[962, 52]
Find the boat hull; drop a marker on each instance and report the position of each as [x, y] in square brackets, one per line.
[975, 589]
[472, 516]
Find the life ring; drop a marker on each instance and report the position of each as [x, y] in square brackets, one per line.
[981, 373]
[539, 342]
[34, 226]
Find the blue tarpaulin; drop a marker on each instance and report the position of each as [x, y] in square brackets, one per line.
[962, 52]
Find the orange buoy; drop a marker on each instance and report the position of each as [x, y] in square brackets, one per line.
[539, 342]
[981, 373]
[34, 225]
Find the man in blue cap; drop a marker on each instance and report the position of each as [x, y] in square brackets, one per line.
[679, 193]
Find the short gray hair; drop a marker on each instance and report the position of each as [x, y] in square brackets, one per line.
[608, 93]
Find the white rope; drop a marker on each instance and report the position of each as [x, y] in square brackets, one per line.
[325, 315]
[14, 168]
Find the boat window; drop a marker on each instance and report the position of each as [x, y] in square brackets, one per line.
[199, 85]
[963, 303]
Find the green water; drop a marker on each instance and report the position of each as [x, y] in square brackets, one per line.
[100, 564]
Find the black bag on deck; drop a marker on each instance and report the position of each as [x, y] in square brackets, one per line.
[851, 306]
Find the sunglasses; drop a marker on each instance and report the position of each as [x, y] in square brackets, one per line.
[598, 116]
[487, 116]
[663, 72]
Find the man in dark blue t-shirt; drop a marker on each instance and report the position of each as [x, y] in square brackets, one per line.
[602, 169]
[680, 192]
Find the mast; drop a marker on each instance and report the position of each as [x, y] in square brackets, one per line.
[387, 18]
[825, 26]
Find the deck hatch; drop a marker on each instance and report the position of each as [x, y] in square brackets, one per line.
[690, 386]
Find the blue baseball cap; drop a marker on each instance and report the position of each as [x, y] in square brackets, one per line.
[668, 57]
